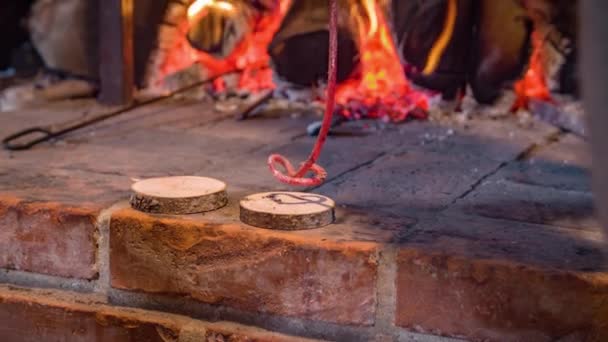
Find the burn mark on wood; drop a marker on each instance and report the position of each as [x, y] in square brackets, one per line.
[178, 195]
[558, 22]
[302, 59]
[287, 210]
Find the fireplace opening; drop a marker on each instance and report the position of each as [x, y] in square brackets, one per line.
[17, 57]
[396, 59]
[434, 155]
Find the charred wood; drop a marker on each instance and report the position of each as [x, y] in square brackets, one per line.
[218, 29]
[299, 49]
[501, 48]
[302, 59]
[558, 21]
[488, 48]
[417, 26]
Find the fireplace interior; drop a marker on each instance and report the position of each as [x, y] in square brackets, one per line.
[393, 56]
[457, 159]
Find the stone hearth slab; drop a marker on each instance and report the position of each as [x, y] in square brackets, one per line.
[422, 240]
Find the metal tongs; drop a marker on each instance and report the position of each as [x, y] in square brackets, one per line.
[29, 137]
[19, 141]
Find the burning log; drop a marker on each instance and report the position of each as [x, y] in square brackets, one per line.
[418, 26]
[300, 47]
[488, 44]
[557, 22]
[501, 48]
[217, 27]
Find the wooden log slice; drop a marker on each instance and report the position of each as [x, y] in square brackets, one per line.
[178, 195]
[287, 210]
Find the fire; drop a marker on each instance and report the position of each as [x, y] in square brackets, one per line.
[249, 56]
[380, 90]
[533, 85]
[199, 6]
[377, 89]
[443, 40]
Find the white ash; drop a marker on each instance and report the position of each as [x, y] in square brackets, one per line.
[227, 106]
[282, 104]
[440, 136]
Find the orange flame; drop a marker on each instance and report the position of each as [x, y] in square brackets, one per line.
[198, 7]
[378, 90]
[381, 87]
[250, 54]
[533, 85]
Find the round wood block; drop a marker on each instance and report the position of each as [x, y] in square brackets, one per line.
[178, 195]
[287, 210]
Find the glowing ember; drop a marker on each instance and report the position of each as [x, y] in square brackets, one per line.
[250, 54]
[377, 89]
[380, 90]
[199, 6]
[533, 85]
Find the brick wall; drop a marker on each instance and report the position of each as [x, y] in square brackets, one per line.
[114, 274]
[49, 315]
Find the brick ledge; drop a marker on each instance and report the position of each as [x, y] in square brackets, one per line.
[34, 314]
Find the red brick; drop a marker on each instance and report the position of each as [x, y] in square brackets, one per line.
[47, 238]
[42, 315]
[499, 300]
[246, 268]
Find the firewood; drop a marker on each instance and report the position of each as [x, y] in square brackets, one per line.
[218, 30]
[558, 22]
[502, 49]
[417, 26]
[299, 48]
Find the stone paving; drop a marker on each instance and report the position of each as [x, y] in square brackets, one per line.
[482, 229]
